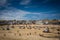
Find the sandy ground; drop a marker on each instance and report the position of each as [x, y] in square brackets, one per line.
[18, 33]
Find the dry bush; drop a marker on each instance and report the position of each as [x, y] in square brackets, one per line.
[20, 34]
[12, 27]
[4, 34]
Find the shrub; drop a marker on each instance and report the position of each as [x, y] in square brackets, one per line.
[12, 26]
[4, 34]
[18, 31]
[58, 29]
[8, 28]
[3, 29]
[19, 34]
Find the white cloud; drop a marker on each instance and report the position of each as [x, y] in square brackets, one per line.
[13, 13]
[30, 6]
[25, 2]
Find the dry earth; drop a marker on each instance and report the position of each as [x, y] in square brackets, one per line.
[24, 32]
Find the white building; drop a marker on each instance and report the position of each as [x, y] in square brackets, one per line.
[39, 22]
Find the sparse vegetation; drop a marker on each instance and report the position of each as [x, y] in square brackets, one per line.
[8, 28]
[29, 32]
[58, 29]
[12, 27]
[4, 34]
[19, 34]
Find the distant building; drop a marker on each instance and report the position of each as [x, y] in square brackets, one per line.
[30, 22]
[39, 22]
[55, 22]
[46, 22]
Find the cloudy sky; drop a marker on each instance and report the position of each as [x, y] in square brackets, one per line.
[29, 9]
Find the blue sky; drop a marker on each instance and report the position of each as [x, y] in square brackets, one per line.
[29, 9]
